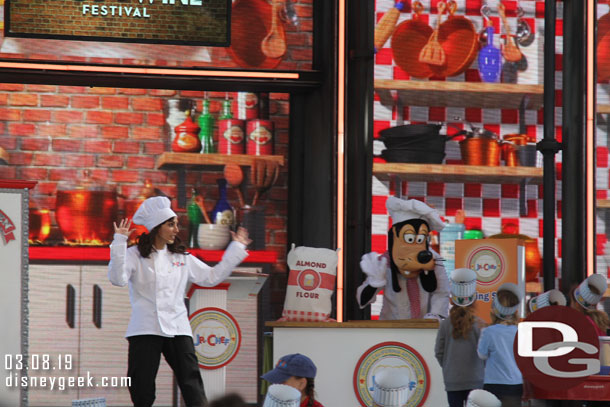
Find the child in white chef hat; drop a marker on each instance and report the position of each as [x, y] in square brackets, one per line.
[157, 271]
[585, 298]
[550, 297]
[482, 398]
[282, 395]
[502, 376]
[457, 338]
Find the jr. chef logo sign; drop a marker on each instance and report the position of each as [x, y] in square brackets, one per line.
[217, 337]
[488, 263]
[185, 22]
[392, 355]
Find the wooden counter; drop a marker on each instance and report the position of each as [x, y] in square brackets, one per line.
[401, 323]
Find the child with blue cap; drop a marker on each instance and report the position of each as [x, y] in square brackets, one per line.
[297, 371]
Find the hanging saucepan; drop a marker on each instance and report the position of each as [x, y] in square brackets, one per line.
[407, 42]
[250, 24]
[460, 41]
[85, 212]
[603, 48]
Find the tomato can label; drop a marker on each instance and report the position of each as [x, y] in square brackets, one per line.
[260, 137]
[231, 136]
[247, 106]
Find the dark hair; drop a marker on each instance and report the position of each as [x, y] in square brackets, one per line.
[146, 241]
[506, 299]
[230, 400]
[309, 390]
[462, 320]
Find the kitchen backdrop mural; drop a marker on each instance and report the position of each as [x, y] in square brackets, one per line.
[458, 84]
[96, 153]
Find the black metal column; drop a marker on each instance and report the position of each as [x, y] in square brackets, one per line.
[573, 231]
[358, 149]
[549, 147]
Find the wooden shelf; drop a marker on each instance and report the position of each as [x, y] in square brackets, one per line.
[457, 173]
[603, 203]
[169, 160]
[603, 108]
[460, 94]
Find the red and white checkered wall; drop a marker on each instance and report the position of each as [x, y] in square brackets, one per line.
[487, 207]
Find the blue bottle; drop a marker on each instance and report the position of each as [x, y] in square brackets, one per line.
[223, 213]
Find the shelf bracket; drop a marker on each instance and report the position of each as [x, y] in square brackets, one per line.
[523, 197]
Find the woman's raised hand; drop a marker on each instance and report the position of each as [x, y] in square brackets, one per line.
[241, 236]
[124, 227]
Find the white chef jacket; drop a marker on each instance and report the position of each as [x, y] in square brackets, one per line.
[157, 285]
[396, 305]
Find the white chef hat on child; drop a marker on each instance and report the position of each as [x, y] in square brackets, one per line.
[547, 298]
[281, 395]
[482, 398]
[583, 294]
[391, 387]
[463, 287]
[401, 210]
[153, 212]
[499, 309]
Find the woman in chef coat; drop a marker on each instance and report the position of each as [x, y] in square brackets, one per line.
[157, 271]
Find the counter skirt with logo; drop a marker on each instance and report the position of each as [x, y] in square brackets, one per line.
[397, 305]
[157, 287]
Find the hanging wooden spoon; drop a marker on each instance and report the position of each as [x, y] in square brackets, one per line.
[274, 44]
[235, 176]
[200, 200]
[510, 50]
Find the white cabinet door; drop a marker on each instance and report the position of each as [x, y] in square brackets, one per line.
[105, 312]
[49, 332]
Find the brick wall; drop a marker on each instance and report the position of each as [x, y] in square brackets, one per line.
[54, 133]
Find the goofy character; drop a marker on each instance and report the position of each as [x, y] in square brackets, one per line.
[419, 284]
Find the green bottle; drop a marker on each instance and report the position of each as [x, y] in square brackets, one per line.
[195, 218]
[206, 134]
[226, 110]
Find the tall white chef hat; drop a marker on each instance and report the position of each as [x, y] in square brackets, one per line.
[153, 212]
[499, 309]
[281, 395]
[482, 398]
[463, 286]
[545, 299]
[401, 210]
[391, 387]
[585, 296]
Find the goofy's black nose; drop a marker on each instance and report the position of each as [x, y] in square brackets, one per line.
[424, 256]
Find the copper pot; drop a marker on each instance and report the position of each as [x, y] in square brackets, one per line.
[85, 212]
[480, 151]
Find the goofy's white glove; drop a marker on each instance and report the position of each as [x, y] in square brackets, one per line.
[374, 266]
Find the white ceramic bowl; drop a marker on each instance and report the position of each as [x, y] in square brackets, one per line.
[212, 236]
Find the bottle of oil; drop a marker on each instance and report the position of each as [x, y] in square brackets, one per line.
[206, 126]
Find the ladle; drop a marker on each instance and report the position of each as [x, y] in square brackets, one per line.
[274, 44]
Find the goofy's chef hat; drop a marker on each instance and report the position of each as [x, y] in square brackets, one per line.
[281, 395]
[499, 309]
[553, 296]
[463, 286]
[401, 210]
[391, 387]
[153, 212]
[585, 296]
[482, 398]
